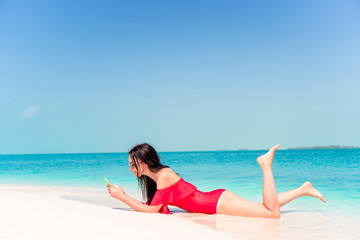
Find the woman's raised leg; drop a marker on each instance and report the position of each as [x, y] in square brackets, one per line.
[305, 190]
[231, 204]
[270, 197]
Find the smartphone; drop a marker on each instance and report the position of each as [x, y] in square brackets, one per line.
[108, 183]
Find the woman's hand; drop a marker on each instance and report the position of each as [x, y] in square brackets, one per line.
[116, 192]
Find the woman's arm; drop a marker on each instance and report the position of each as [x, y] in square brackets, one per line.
[118, 193]
[139, 206]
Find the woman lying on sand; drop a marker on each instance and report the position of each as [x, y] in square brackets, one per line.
[162, 186]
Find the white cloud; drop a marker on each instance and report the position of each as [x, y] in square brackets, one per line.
[29, 112]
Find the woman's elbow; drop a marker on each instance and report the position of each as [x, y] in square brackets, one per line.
[147, 210]
[152, 209]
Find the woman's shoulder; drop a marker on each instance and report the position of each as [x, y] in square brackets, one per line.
[167, 177]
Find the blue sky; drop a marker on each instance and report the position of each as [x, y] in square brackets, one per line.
[102, 76]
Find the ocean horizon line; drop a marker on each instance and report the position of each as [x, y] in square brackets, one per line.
[328, 147]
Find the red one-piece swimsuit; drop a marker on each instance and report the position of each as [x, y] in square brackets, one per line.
[185, 195]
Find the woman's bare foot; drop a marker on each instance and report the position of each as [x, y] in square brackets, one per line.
[266, 159]
[308, 190]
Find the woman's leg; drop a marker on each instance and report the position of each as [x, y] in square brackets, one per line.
[231, 204]
[270, 198]
[305, 190]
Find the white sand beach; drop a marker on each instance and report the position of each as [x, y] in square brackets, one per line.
[26, 215]
[38, 213]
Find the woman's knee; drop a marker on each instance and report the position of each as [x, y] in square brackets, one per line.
[276, 214]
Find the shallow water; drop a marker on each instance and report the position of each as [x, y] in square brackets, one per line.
[336, 173]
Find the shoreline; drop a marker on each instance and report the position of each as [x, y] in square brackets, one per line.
[42, 209]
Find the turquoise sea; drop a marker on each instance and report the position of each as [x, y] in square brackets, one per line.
[335, 173]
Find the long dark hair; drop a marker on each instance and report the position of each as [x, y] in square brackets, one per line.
[146, 153]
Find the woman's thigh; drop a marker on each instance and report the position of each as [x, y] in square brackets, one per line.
[231, 204]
